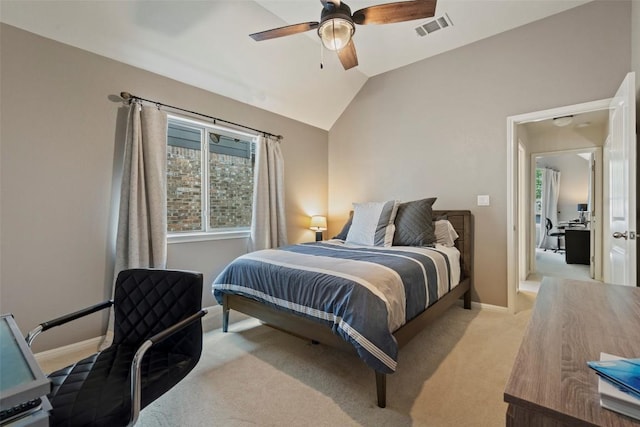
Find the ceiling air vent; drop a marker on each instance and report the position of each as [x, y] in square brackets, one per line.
[438, 23]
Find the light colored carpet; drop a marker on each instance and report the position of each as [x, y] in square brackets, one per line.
[451, 374]
[553, 264]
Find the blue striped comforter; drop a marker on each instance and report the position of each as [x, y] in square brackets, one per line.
[363, 293]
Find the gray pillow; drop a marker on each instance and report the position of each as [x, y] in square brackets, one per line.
[445, 233]
[414, 223]
[372, 223]
[342, 235]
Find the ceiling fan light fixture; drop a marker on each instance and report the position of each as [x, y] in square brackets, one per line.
[336, 33]
[562, 121]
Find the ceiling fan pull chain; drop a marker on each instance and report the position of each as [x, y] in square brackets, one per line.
[321, 56]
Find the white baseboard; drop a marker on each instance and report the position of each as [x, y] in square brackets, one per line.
[489, 307]
[483, 306]
[89, 346]
[212, 320]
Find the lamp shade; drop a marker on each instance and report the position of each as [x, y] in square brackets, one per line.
[318, 223]
[582, 207]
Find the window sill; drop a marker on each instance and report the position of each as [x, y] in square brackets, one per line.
[201, 237]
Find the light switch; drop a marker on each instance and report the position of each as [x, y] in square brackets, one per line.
[483, 200]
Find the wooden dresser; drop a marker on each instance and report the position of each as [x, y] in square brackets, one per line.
[572, 322]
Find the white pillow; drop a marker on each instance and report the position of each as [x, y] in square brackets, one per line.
[372, 223]
[445, 233]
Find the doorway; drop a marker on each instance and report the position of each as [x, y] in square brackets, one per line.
[520, 134]
[615, 216]
[562, 223]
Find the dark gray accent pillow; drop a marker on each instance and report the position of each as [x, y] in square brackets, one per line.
[414, 223]
[342, 235]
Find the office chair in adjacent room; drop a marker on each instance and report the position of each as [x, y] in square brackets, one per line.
[157, 341]
[556, 233]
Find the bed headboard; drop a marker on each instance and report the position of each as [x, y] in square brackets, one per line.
[462, 221]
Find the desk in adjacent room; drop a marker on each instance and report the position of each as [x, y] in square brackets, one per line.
[571, 323]
[577, 243]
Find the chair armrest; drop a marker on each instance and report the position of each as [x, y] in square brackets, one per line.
[161, 336]
[136, 364]
[65, 319]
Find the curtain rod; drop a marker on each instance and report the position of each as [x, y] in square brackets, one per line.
[129, 97]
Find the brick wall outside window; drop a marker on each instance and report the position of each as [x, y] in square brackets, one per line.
[230, 190]
[184, 199]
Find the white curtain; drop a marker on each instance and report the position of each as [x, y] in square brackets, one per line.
[141, 239]
[142, 222]
[549, 208]
[268, 224]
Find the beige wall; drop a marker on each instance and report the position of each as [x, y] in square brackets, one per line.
[567, 138]
[438, 127]
[58, 162]
[574, 182]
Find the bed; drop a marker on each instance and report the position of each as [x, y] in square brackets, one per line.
[289, 289]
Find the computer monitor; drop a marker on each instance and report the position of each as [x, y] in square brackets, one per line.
[582, 211]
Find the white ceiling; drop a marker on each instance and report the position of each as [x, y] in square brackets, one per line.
[206, 43]
[593, 119]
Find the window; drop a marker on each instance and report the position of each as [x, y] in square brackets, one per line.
[538, 194]
[218, 196]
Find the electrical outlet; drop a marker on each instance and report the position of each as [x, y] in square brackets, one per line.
[483, 200]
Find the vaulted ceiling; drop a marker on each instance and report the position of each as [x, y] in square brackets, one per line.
[206, 43]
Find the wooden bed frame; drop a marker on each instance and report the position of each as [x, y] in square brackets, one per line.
[462, 221]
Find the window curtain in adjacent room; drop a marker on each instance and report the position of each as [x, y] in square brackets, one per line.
[549, 207]
[268, 224]
[141, 239]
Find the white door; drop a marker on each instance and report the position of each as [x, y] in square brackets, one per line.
[620, 163]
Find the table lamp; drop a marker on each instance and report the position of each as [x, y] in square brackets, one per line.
[318, 224]
[582, 211]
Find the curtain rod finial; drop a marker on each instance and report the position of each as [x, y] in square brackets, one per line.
[125, 95]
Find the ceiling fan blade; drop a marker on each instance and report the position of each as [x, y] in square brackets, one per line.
[395, 12]
[348, 55]
[284, 31]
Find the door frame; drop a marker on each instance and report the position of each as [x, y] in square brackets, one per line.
[522, 206]
[513, 245]
[595, 195]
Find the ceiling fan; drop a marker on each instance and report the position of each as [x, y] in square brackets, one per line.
[337, 24]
